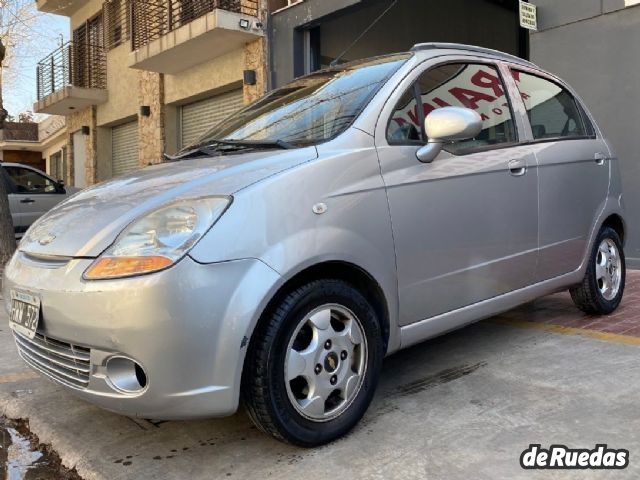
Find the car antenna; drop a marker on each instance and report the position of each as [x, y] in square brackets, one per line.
[335, 61]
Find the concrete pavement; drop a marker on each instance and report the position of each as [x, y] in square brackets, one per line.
[462, 406]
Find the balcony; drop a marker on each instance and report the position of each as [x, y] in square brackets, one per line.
[169, 36]
[71, 78]
[59, 7]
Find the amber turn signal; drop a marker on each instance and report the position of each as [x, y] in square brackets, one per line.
[114, 267]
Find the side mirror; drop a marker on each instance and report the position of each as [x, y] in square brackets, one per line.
[61, 183]
[60, 186]
[448, 124]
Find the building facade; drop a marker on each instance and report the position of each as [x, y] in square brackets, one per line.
[142, 77]
[307, 35]
[40, 145]
[593, 45]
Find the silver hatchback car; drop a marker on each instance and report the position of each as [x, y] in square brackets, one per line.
[352, 213]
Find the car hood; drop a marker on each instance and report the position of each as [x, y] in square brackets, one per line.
[87, 223]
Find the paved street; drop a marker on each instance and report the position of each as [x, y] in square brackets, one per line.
[462, 406]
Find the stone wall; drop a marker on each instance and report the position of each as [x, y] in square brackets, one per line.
[75, 122]
[255, 54]
[151, 131]
[249, 7]
[254, 59]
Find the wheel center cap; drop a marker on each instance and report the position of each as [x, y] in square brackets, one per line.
[331, 362]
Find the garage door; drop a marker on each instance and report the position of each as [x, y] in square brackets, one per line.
[124, 148]
[198, 117]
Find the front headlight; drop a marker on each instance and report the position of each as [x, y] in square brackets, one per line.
[159, 239]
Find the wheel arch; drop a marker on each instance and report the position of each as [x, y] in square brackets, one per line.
[616, 222]
[337, 270]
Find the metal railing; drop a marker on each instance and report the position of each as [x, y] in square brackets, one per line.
[116, 20]
[73, 64]
[151, 19]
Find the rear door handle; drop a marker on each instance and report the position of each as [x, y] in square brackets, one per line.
[600, 158]
[27, 200]
[518, 167]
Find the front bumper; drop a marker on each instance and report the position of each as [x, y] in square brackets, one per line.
[188, 327]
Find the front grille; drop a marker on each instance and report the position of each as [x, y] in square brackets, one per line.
[64, 362]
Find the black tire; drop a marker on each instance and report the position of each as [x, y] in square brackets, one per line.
[587, 296]
[264, 390]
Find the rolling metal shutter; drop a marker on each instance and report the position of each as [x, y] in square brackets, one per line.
[200, 116]
[124, 148]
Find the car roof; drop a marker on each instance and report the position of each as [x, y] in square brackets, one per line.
[22, 165]
[13, 164]
[471, 49]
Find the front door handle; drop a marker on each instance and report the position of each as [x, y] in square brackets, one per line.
[517, 168]
[27, 200]
[600, 158]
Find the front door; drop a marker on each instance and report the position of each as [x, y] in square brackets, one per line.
[15, 207]
[33, 195]
[465, 225]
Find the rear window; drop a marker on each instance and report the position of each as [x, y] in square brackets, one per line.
[552, 110]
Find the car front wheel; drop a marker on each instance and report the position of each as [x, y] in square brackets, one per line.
[313, 364]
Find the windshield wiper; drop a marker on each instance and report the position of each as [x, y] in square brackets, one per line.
[197, 151]
[254, 143]
[217, 147]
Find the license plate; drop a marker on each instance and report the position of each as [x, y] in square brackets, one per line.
[25, 313]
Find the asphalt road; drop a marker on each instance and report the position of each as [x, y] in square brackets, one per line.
[462, 406]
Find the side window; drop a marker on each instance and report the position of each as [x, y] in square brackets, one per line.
[475, 86]
[588, 126]
[552, 111]
[28, 181]
[8, 183]
[405, 125]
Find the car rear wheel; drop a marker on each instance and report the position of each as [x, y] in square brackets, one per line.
[602, 288]
[313, 364]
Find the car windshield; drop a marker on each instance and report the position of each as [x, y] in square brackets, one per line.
[309, 110]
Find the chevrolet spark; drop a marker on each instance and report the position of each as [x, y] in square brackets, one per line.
[349, 214]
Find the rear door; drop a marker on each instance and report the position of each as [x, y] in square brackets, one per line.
[465, 225]
[573, 169]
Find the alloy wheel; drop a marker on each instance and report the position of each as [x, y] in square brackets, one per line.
[608, 269]
[325, 363]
